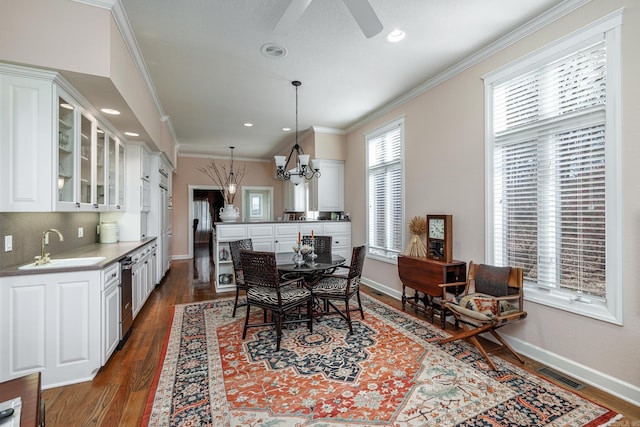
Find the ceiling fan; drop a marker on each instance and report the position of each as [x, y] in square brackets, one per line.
[361, 10]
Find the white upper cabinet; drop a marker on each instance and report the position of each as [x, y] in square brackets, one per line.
[295, 196]
[55, 155]
[115, 173]
[82, 156]
[326, 193]
[26, 141]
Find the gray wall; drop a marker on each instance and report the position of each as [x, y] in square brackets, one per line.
[27, 229]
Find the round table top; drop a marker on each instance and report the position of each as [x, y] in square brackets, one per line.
[323, 262]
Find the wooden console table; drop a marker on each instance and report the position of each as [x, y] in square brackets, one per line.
[425, 275]
[28, 388]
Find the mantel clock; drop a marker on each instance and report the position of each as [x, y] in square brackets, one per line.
[439, 242]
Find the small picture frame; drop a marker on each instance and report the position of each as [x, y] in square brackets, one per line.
[289, 217]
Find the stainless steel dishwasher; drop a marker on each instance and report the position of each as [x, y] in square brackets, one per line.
[126, 300]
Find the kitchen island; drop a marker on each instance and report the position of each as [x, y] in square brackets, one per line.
[277, 237]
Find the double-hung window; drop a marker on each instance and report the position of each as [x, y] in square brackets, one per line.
[553, 177]
[385, 191]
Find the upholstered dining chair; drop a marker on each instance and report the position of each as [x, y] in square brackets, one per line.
[342, 287]
[235, 248]
[266, 290]
[493, 297]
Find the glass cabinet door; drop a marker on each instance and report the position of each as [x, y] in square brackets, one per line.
[86, 154]
[101, 167]
[112, 178]
[121, 174]
[66, 151]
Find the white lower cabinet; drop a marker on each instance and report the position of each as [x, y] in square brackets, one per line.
[51, 323]
[110, 301]
[111, 321]
[142, 277]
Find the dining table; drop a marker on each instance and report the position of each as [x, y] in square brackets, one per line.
[310, 269]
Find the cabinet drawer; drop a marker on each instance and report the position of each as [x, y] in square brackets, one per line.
[337, 228]
[260, 231]
[286, 230]
[110, 275]
[340, 241]
[231, 232]
[306, 229]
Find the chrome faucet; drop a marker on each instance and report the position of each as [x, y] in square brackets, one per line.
[44, 257]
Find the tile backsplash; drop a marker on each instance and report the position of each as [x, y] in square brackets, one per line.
[26, 229]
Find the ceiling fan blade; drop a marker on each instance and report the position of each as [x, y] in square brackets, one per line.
[365, 16]
[292, 13]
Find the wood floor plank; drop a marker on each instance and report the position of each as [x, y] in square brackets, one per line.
[118, 394]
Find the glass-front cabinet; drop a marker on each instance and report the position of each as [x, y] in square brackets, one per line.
[89, 166]
[115, 173]
[101, 167]
[121, 175]
[87, 139]
[67, 119]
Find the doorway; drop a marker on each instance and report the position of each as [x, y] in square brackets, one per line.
[204, 211]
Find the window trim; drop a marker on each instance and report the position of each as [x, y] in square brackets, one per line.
[398, 122]
[607, 28]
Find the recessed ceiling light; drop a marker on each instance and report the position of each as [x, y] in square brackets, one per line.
[131, 134]
[395, 36]
[67, 106]
[248, 124]
[286, 129]
[110, 111]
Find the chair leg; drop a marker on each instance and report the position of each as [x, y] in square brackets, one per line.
[278, 323]
[506, 345]
[310, 315]
[481, 349]
[246, 322]
[348, 313]
[360, 304]
[235, 305]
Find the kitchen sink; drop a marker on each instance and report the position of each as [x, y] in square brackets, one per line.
[64, 263]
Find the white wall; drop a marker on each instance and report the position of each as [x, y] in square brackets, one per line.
[444, 173]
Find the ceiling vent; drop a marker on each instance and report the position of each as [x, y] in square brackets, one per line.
[273, 50]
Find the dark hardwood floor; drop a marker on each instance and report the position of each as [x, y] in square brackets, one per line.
[118, 394]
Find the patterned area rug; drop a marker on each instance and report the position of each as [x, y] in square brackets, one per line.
[388, 373]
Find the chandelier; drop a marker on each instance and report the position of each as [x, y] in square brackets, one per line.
[302, 169]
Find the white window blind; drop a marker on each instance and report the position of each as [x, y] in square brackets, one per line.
[385, 191]
[549, 173]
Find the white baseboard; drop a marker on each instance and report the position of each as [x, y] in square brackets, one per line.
[178, 257]
[600, 380]
[394, 293]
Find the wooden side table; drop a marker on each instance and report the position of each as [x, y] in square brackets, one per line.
[425, 275]
[28, 388]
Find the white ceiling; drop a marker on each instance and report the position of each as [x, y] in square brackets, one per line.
[204, 59]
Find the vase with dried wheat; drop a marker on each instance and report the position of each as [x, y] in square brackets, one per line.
[417, 228]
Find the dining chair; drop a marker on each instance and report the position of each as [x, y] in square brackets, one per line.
[235, 247]
[266, 290]
[493, 297]
[342, 287]
[322, 244]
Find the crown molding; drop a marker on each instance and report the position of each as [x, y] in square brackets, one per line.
[507, 40]
[124, 26]
[334, 131]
